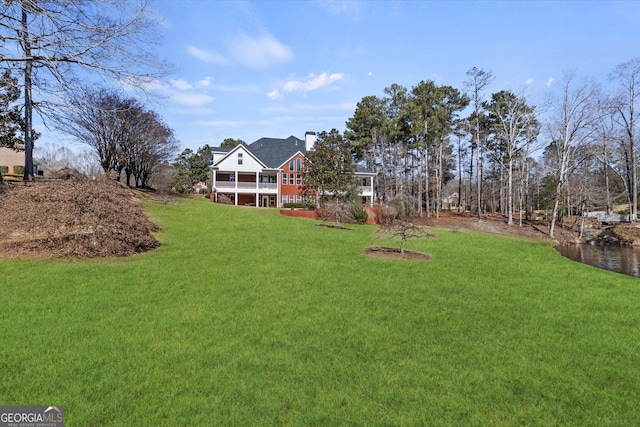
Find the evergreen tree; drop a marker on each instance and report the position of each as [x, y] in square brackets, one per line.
[330, 168]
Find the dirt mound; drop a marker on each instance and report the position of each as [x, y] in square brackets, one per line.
[396, 253]
[73, 217]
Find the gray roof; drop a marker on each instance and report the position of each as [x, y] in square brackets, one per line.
[221, 149]
[273, 152]
[362, 169]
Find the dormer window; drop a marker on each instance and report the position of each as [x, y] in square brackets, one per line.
[239, 158]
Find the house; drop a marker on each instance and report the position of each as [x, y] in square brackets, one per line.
[9, 159]
[268, 172]
[200, 187]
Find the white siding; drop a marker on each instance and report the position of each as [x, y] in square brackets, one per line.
[249, 163]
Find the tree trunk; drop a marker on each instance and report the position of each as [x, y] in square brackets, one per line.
[478, 174]
[510, 192]
[559, 185]
[459, 175]
[426, 180]
[439, 180]
[28, 100]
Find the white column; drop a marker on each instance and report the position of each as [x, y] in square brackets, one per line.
[214, 178]
[371, 190]
[236, 184]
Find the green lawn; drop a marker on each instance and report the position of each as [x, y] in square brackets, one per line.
[245, 317]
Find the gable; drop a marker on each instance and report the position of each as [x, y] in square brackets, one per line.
[297, 155]
[250, 163]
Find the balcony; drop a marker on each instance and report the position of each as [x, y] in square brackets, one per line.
[263, 187]
[365, 190]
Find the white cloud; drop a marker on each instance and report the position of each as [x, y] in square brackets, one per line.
[206, 82]
[313, 82]
[179, 91]
[248, 88]
[181, 84]
[370, 73]
[528, 82]
[274, 94]
[348, 8]
[259, 51]
[207, 56]
[550, 81]
[191, 99]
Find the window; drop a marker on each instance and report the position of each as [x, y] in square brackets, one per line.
[272, 200]
[298, 164]
[298, 198]
[239, 158]
[232, 178]
[298, 179]
[284, 199]
[284, 179]
[291, 178]
[291, 165]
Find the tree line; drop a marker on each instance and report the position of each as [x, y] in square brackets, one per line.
[423, 146]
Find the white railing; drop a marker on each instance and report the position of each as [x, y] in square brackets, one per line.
[227, 185]
[267, 186]
[224, 184]
[365, 190]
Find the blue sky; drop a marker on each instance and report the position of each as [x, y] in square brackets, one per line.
[278, 68]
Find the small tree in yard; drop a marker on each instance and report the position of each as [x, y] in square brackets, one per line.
[405, 230]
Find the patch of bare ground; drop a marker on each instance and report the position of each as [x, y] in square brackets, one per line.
[497, 224]
[395, 253]
[73, 217]
[628, 233]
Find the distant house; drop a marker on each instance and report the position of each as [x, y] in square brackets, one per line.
[200, 187]
[268, 172]
[9, 159]
[450, 202]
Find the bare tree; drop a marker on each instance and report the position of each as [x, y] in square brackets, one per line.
[478, 80]
[151, 142]
[54, 157]
[51, 42]
[402, 229]
[572, 115]
[515, 127]
[98, 119]
[125, 136]
[627, 115]
[603, 143]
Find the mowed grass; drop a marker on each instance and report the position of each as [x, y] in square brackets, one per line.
[245, 317]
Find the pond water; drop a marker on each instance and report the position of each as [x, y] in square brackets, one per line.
[621, 259]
